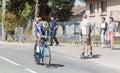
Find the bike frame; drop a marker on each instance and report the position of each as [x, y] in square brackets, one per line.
[42, 48]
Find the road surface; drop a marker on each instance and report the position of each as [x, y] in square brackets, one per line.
[18, 58]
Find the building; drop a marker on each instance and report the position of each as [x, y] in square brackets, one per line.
[70, 28]
[74, 20]
[96, 9]
[70, 25]
[76, 11]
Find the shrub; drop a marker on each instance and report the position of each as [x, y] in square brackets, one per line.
[10, 22]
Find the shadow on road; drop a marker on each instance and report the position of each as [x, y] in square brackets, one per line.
[57, 45]
[116, 48]
[95, 56]
[52, 65]
[56, 65]
[60, 45]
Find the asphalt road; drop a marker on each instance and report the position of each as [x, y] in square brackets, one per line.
[18, 58]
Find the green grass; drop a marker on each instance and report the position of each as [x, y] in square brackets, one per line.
[117, 42]
[13, 41]
[96, 42]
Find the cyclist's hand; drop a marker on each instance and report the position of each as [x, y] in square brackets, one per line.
[45, 37]
[48, 37]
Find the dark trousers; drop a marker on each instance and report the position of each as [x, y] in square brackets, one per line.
[53, 37]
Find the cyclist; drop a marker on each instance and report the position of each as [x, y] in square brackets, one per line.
[41, 30]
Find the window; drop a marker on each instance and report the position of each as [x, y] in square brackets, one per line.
[103, 6]
[92, 8]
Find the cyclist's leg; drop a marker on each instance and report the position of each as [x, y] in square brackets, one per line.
[35, 46]
[38, 43]
[43, 48]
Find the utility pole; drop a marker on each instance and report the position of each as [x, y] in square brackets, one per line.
[36, 9]
[3, 12]
[52, 13]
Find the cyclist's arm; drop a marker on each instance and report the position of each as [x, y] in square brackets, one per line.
[39, 32]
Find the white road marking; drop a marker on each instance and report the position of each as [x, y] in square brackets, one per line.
[31, 71]
[27, 69]
[9, 61]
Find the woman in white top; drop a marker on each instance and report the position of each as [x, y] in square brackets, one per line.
[103, 27]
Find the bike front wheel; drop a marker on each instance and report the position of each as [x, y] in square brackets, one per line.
[36, 56]
[47, 57]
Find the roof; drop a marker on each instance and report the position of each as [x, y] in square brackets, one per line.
[77, 10]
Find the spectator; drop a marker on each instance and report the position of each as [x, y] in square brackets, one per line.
[111, 32]
[103, 28]
[53, 28]
[86, 39]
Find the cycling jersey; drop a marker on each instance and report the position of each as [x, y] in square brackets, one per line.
[39, 30]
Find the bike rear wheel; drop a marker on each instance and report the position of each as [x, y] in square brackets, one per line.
[47, 57]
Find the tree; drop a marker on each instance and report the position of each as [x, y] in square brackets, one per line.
[44, 8]
[41, 9]
[0, 3]
[62, 9]
[25, 13]
[36, 8]
[19, 6]
[27, 10]
[30, 9]
[0, 10]
[10, 22]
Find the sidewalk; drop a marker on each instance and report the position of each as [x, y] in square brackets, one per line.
[103, 56]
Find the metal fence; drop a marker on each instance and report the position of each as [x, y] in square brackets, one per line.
[18, 33]
[67, 32]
